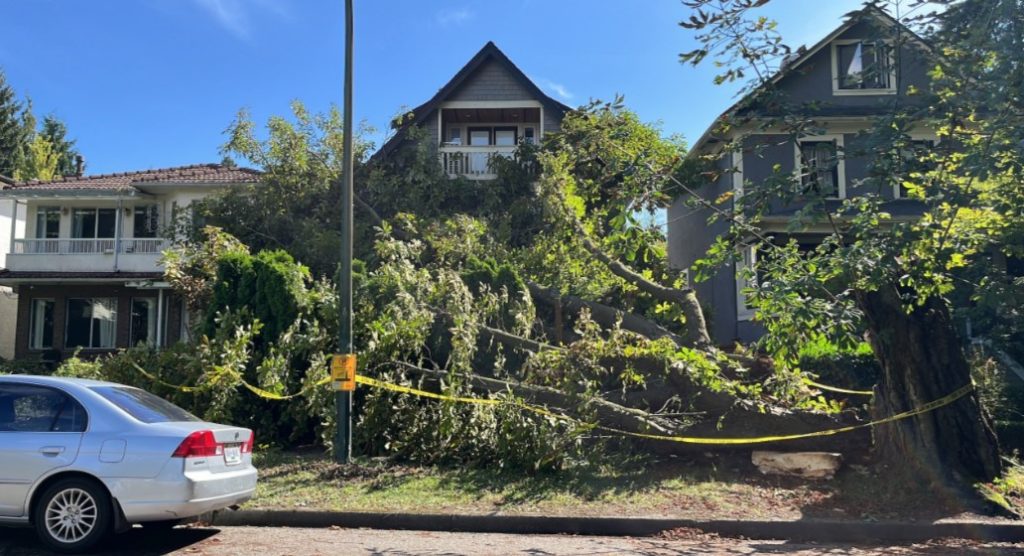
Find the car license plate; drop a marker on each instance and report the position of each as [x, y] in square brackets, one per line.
[233, 454]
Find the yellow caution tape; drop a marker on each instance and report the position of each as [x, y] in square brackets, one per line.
[281, 397]
[254, 389]
[930, 406]
[374, 383]
[162, 383]
[825, 387]
[360, 379]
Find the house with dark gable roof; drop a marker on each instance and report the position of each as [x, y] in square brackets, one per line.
[845, 80]
[82, 257]
[486, 110]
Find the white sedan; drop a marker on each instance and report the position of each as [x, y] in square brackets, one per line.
[82, 458]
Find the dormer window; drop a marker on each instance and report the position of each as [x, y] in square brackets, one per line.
[862, 67]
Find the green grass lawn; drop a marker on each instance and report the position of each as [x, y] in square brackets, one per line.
[726, 488]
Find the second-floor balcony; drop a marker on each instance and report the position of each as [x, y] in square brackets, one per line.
[472, 135]
[86, 254]
[474, 162]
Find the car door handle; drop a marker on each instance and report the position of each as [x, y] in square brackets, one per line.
[52, 450]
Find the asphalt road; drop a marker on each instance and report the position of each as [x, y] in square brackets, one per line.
[294, 542]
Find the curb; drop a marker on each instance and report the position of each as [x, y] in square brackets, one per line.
[804, 530]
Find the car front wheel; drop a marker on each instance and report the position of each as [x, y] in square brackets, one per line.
[72, 515]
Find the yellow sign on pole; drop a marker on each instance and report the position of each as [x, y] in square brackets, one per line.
[343, 372]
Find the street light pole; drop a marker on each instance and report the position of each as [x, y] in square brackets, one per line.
[343, 398]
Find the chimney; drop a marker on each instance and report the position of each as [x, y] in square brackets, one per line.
[79, 165]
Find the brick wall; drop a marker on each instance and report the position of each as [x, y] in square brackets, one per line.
[60, 295]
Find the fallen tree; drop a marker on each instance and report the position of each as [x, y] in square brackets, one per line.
[581, 314]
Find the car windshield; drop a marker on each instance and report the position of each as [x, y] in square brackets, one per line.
[144, 406]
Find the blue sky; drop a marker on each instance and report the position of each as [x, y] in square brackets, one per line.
[154, 83]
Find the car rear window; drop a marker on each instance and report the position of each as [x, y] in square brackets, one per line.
[144, 406]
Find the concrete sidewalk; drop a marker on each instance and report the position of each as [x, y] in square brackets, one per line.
[810, 530]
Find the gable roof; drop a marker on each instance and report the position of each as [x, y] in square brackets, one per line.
[195, 174]
[802, 54]
[489, 52]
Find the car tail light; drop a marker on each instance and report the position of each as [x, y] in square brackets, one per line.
[247, 447]
[199, 444]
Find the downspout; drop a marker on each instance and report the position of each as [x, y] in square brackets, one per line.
[117, 233]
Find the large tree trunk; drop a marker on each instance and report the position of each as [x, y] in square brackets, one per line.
[923, 360]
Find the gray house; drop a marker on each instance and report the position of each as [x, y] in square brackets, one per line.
[850, 76]
[487, 109]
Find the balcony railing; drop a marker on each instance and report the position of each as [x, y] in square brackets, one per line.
[473, 162]
[87, 246]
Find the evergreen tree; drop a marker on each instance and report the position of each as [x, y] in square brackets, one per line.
[55, 132]
[12, 131]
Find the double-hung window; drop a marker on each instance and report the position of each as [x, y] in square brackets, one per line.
[820, 167]
[91, 323]
[863, 67]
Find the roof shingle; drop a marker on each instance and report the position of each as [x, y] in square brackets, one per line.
[193, 174]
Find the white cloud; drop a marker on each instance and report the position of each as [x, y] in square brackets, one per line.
[558, 88]
[235, 15]
[453, 16]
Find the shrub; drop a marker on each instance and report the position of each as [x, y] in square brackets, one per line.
[22, 367]
[855, 369]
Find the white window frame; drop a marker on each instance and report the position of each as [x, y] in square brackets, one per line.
[145, 208]
[748, 257]
[34, 324]
[914, 138]
[798, 165]
[837, 91]
[452, 141]
[43, 210]
[150, 338]
[529, 140]
[96, 224]
[737, 173]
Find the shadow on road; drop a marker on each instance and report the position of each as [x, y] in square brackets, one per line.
[137, 542]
